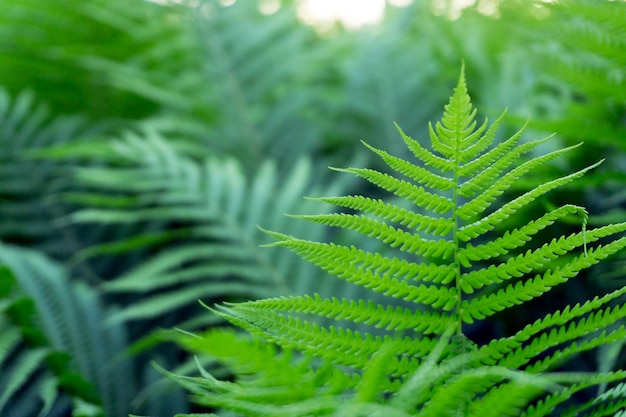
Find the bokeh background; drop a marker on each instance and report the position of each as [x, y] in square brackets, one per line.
[141, 143]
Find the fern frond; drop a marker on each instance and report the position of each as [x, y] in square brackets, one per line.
[27, 185]
[34, 374]
[574, 348]
[417, 174]
[536, 259]
[458, 129]
[424, 155]
[486, 305]
[440, 226]
[382, 231]
[587, 60]
[196, 228]
[488, 223]
[516, 238]
[607, 403]
[439, 283]
[341, 345]
[496, 348]
[457, 123]
[414, 193]
[546, 405]
[329, 256]
[68, 341]
[494, 167]
[478, 204]
[377, 315]
[23, 368]
[484, 164]
[458, 397]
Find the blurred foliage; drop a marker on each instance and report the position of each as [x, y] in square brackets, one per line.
[142, 142]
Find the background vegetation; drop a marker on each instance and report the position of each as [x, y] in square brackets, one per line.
[142, 143]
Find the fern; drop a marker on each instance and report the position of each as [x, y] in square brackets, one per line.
[61, 355]
[60, 62]
[26, 185]
[585, 61]
[192, 232]
[233, 98]
[588, 61]
[61, 349]
[451, 273]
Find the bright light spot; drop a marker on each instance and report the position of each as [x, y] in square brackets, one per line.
[400, 3]
[453, 9]
[489, 8]
[540, 11]
[268, 7]
[351, 13]
[227, 2]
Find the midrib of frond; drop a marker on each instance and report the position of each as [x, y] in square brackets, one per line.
[458, 97]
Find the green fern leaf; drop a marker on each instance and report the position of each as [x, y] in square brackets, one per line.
[439, 281]
[212, 251]
[439, 226]
[377, 315]
[62, 349]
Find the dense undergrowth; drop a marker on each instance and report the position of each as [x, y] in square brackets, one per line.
[142, 143]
